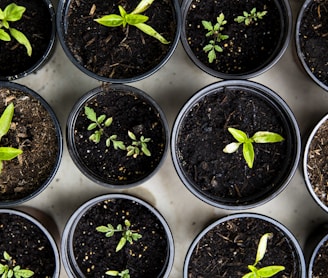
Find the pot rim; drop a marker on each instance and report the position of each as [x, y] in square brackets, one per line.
[67, 235]
[271, 97]
[268, 219]
[298, 47]
[62, 25]
[70, 134]
[280, 49]
[48, 108]
[46, 55]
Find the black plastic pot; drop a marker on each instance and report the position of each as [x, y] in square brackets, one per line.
[311, 45]
[12, 89]
[63, 27]
[131, 110]
[317, 190]
[235, 71]
[36, 62]
[37, 249]
[205, 173]
[105, 207]
[241, 232]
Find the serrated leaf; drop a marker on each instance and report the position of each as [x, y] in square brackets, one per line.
[24, 273]
[207, 25]
[90, 113]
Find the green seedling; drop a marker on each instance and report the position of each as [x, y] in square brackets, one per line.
[267, 271]
[127, 234]
[135, 18]
[7, 153]
[13, 13]
[250, 17]
[138, 146]
[123, 274]
[248, 149]
[215, 32]
[9, 269]
[98, 125]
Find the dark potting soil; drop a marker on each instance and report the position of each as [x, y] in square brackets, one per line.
[118, 52]
[248, 47]
[204, 134]
[320, 262]
[33, 131]
[95, 253]
[314, 38]
[27, 245]
[129, 113]
[36, 25]
[228, 248]
[317, 164]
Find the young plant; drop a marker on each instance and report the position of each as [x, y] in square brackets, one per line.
[138, 146]
[123, 273]
[215, 32]
[7, 153]
[267, 271]
[9, 269]
[127, 234]
[135, 18]
[13, 13]
[98, 125]
[250, 17]
[248, 149]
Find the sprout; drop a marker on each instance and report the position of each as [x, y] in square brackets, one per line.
[10, 269]
[250, 17]
[138, 146]
[123, 273]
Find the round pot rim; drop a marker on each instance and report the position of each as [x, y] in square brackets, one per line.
[287, 26]
[48, 52]
[254, 215]
[45, 232]
[70, 134]
[315, 253]
[262, 91]
[305, 159]
[48, 108]
[298, 47]
[67, 235]
[61, 25]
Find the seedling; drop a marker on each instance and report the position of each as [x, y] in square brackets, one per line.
[248, 149]
[127, 234]
[13, 13]
[135, 18]
[267, 271]
[7, 153]
[123, 274]
[250, 17]
[138, 146]
[9, 269]
[215, 32]
[98, 125]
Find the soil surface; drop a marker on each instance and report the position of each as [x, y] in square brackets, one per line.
[118, 52]
[314, 39]
[36, 25]
[33, 131]
[129, 113]
[204, 134]
[248, 47]
[95, 253]
[320, 262]
[227, 250]
[317, 164]
[27, 245]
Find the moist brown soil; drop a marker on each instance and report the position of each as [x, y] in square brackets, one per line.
[248, 47]
[228, 248]
[130, 113]
[313, 37]
[118, 52]
[37, 26]
[319, 269]
[95, 253]
[27, 245]
[226, 177]
[317, 164]
[33, 131]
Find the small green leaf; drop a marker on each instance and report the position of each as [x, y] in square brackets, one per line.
[142, 6]
[249, 275]
[269, 271]
[262, 247]
[22, 39]
[131, 135]
[8, 153]
[207, 25]
[101, 118]
[112, 20]
[121, 244]
[92, 126]
[13, 12]
[5, 119]
[145, 150]
[108, 142]
[24, 273]
[4, 36]
[232, 147]
[108, 122]
[151, 32]
[123, 12]
[112, 273]
[134, 19]
[119, 145]
[248, 153]
[239, 135]
[218, 48]
[90, 113]
[267, 137]
[208, 47]
[211, 56]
